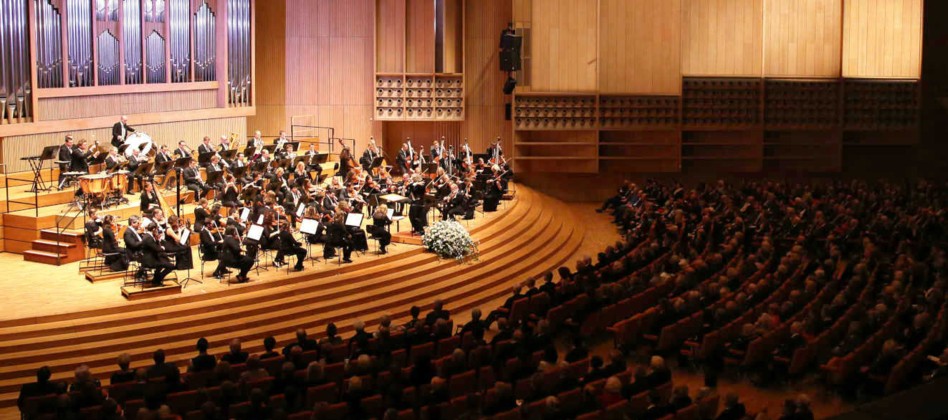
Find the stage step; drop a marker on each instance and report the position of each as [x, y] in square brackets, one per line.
[104, 276]
[64, 236]
[137, 293]
[73, 252]
[406, 238]
[44, 257]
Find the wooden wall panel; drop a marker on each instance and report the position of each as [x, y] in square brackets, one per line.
[168, 133]
[802, 38]
[419, 43]
[390, 36]
[721, 37]
[271, 52]
[484, 107]
[882, 38]
[564, 45]
[134, 103]
[639, 46]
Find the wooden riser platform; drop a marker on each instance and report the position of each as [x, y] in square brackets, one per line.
[533, 235]
[138, 293]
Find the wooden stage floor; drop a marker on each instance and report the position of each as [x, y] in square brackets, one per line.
[31, 289]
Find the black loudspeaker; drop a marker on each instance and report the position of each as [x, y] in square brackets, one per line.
[508, 112]
[510, 53]
[509, 85]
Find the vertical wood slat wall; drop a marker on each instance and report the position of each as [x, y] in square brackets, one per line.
[785, 48]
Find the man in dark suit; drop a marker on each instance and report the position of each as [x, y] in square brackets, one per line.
[182, 151]
[203, 361]
[65, 157]
[133, 240]
[163, 370]
[162, 156]
[42, 386]
[120, 132]
[80, 154]
[290, 246]
[235, 356]
[112, 161]
[210, 246]
[192, 178]
[204, 148]
[231, 256]
[302, 341]
[153, 255]
[437, 312]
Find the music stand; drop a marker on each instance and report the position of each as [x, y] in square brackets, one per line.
[185, 241]
[205, 158]
[99, 159]
[294, 144]
[270, 148]
[259, 166]
[249, 152]
[49, 153]
[229, 155]
[179, 166]
[310, 227]
[238, 172]
[212, 179]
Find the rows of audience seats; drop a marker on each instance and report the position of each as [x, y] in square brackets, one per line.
[768, 280]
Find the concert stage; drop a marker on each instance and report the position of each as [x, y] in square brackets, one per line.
[55, 317]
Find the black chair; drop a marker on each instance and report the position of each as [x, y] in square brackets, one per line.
[226, 274]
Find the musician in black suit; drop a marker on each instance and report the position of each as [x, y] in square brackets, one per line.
[378, 228]
[115, 256]
[182, 151]
[65, 156]
[133, 239]
[149, 198]
[231, 256]
[112, 161]
[338, 236]
[211, 242]
[192, 178]
[153, 255]
[290, 246]
[454, 204]
[204, 148]
[163, 156]
[417, 213]
[120, 132]
[80, 156]
[495, 190]
[256, 141]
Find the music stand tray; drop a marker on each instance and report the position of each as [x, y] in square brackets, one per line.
[228, 154]
[50, 152]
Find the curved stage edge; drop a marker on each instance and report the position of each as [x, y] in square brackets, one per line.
[534, 234]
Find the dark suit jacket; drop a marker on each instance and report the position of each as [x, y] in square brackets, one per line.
[152, 254]
[109, 243]
[231, 250]
[79, 162]
[132, 243]
[117, 138]
[65, 155]
[287, 241]
[162, 158]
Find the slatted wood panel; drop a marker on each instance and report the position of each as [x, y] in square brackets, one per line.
[882, 38]
[422, 133]
[390, 36]
[484, 107]
[419, 44]
[564, 45]
[802, 38]
[328, 68]
[135, 103]
[271, 53]
[169, 133]
[639, 43]
[721, 37]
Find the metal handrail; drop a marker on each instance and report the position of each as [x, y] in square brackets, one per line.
[352, 143]
[331, 130]
[6, 185]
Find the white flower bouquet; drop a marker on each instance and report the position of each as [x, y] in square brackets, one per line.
[449, 239]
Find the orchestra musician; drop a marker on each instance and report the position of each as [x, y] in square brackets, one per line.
[211, 242]
[113, 161]
[134, 161]
[256, 141]
[174, 231]
[437, 151]
[229, 197]
[201, 213]
[232, 257]
[205, 146]
[92, 229]
[133, 240]
[153, 255]
[223, 144]
[80, 157]
[290, 246]
[404, 159]
[368, 156]
[494, 152]
[115, 257]
[120, 132]
[417, 213]
[379, 227]
[182, 151]
[454, 204]
[149, 198]
[65, 159]
[338, 236]
[192, 179]
[495, 189]
[281, 141]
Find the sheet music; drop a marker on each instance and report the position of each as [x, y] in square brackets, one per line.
[260, 220]
[244, 214]
[185, 234]
[309, 226]
[354, 219]
[299, 211]
[390, 213]
[255, 232]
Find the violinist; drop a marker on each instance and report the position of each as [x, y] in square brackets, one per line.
[290, 246]
[211, 242]
[271, 236]
[229, 197]
[93, 227]
[379, 227]
[153, 255]
[201, 212]
[293, 201]
[313, 212]
[454, 204]
[338, 236]
[172, 244]
[495, 189]
[115, 256]
[231, 256]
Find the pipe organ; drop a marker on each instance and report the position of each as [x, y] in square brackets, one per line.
[73, 48]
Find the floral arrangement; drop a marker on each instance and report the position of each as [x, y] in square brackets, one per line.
[449, 239]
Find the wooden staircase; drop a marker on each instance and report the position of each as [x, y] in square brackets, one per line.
[56, 248]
